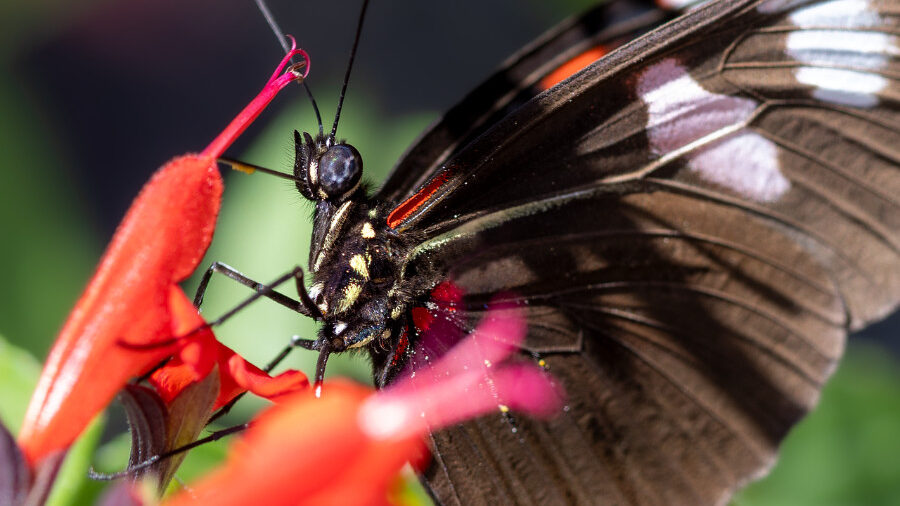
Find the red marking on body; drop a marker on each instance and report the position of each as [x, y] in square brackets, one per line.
[571, 67]
[404, 210]
[402, 347]
[447, 295]
[422, 318]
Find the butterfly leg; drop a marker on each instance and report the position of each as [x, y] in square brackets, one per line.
[304, 306]
[132, 469]
[296, 342]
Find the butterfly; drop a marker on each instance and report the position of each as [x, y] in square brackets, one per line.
[692, 224]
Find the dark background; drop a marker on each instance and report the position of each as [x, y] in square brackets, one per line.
[95, 95]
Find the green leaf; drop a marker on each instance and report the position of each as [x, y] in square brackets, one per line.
[19, 373]
[72, 484]
[847, 452]
[410, 491]
[49, 248]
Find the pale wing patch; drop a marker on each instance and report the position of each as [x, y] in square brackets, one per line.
[679, 4]
[837, 14]
[681, 112]
[867, 50]
[746, 160]
[844, 87]
[843, 64]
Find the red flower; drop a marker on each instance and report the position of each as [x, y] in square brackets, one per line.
[348, 446]
[134, 297]
[200, 352]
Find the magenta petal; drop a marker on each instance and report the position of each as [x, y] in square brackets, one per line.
[468, 381]
[496, 337]
[529, 389]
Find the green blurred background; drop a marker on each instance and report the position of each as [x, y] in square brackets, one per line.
[95, 95]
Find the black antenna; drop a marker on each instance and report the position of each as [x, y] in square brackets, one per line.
[273, 25]
[337, 115]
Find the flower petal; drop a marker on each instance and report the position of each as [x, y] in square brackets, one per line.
[160, 241]
[348, 446]
[470, 380]
[248, 377]
[235, 374]
[306, 451]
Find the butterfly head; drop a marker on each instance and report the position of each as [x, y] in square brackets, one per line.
[326, 170]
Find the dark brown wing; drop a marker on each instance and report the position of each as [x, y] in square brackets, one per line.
[518, 80]
[694, 223]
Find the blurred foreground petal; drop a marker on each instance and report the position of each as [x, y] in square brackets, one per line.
[303, 450]
[348, 446]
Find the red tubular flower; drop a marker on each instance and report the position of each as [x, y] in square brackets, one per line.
[348, 446]
[134, 297]
[302, 449]
[199, 352]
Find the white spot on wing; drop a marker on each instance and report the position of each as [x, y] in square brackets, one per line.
[754, 173]
[837, 14]
[870, 50]
[681, 112]
[679, 4]
[772, 6]
[857, 89]
[842, 63]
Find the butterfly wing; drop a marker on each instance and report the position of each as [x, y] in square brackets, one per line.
[694, 223]
[519, 79]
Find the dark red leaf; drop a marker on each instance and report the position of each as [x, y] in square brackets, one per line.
[15, 476]
[147, 421]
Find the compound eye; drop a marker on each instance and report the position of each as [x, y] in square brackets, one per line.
[340, 170]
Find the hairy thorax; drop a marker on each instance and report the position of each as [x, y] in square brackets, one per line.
[356, 273]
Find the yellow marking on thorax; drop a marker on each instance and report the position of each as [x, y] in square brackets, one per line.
[334, 228]
[360, 265]
[367, 231]
[363, 342]
[351, 293]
